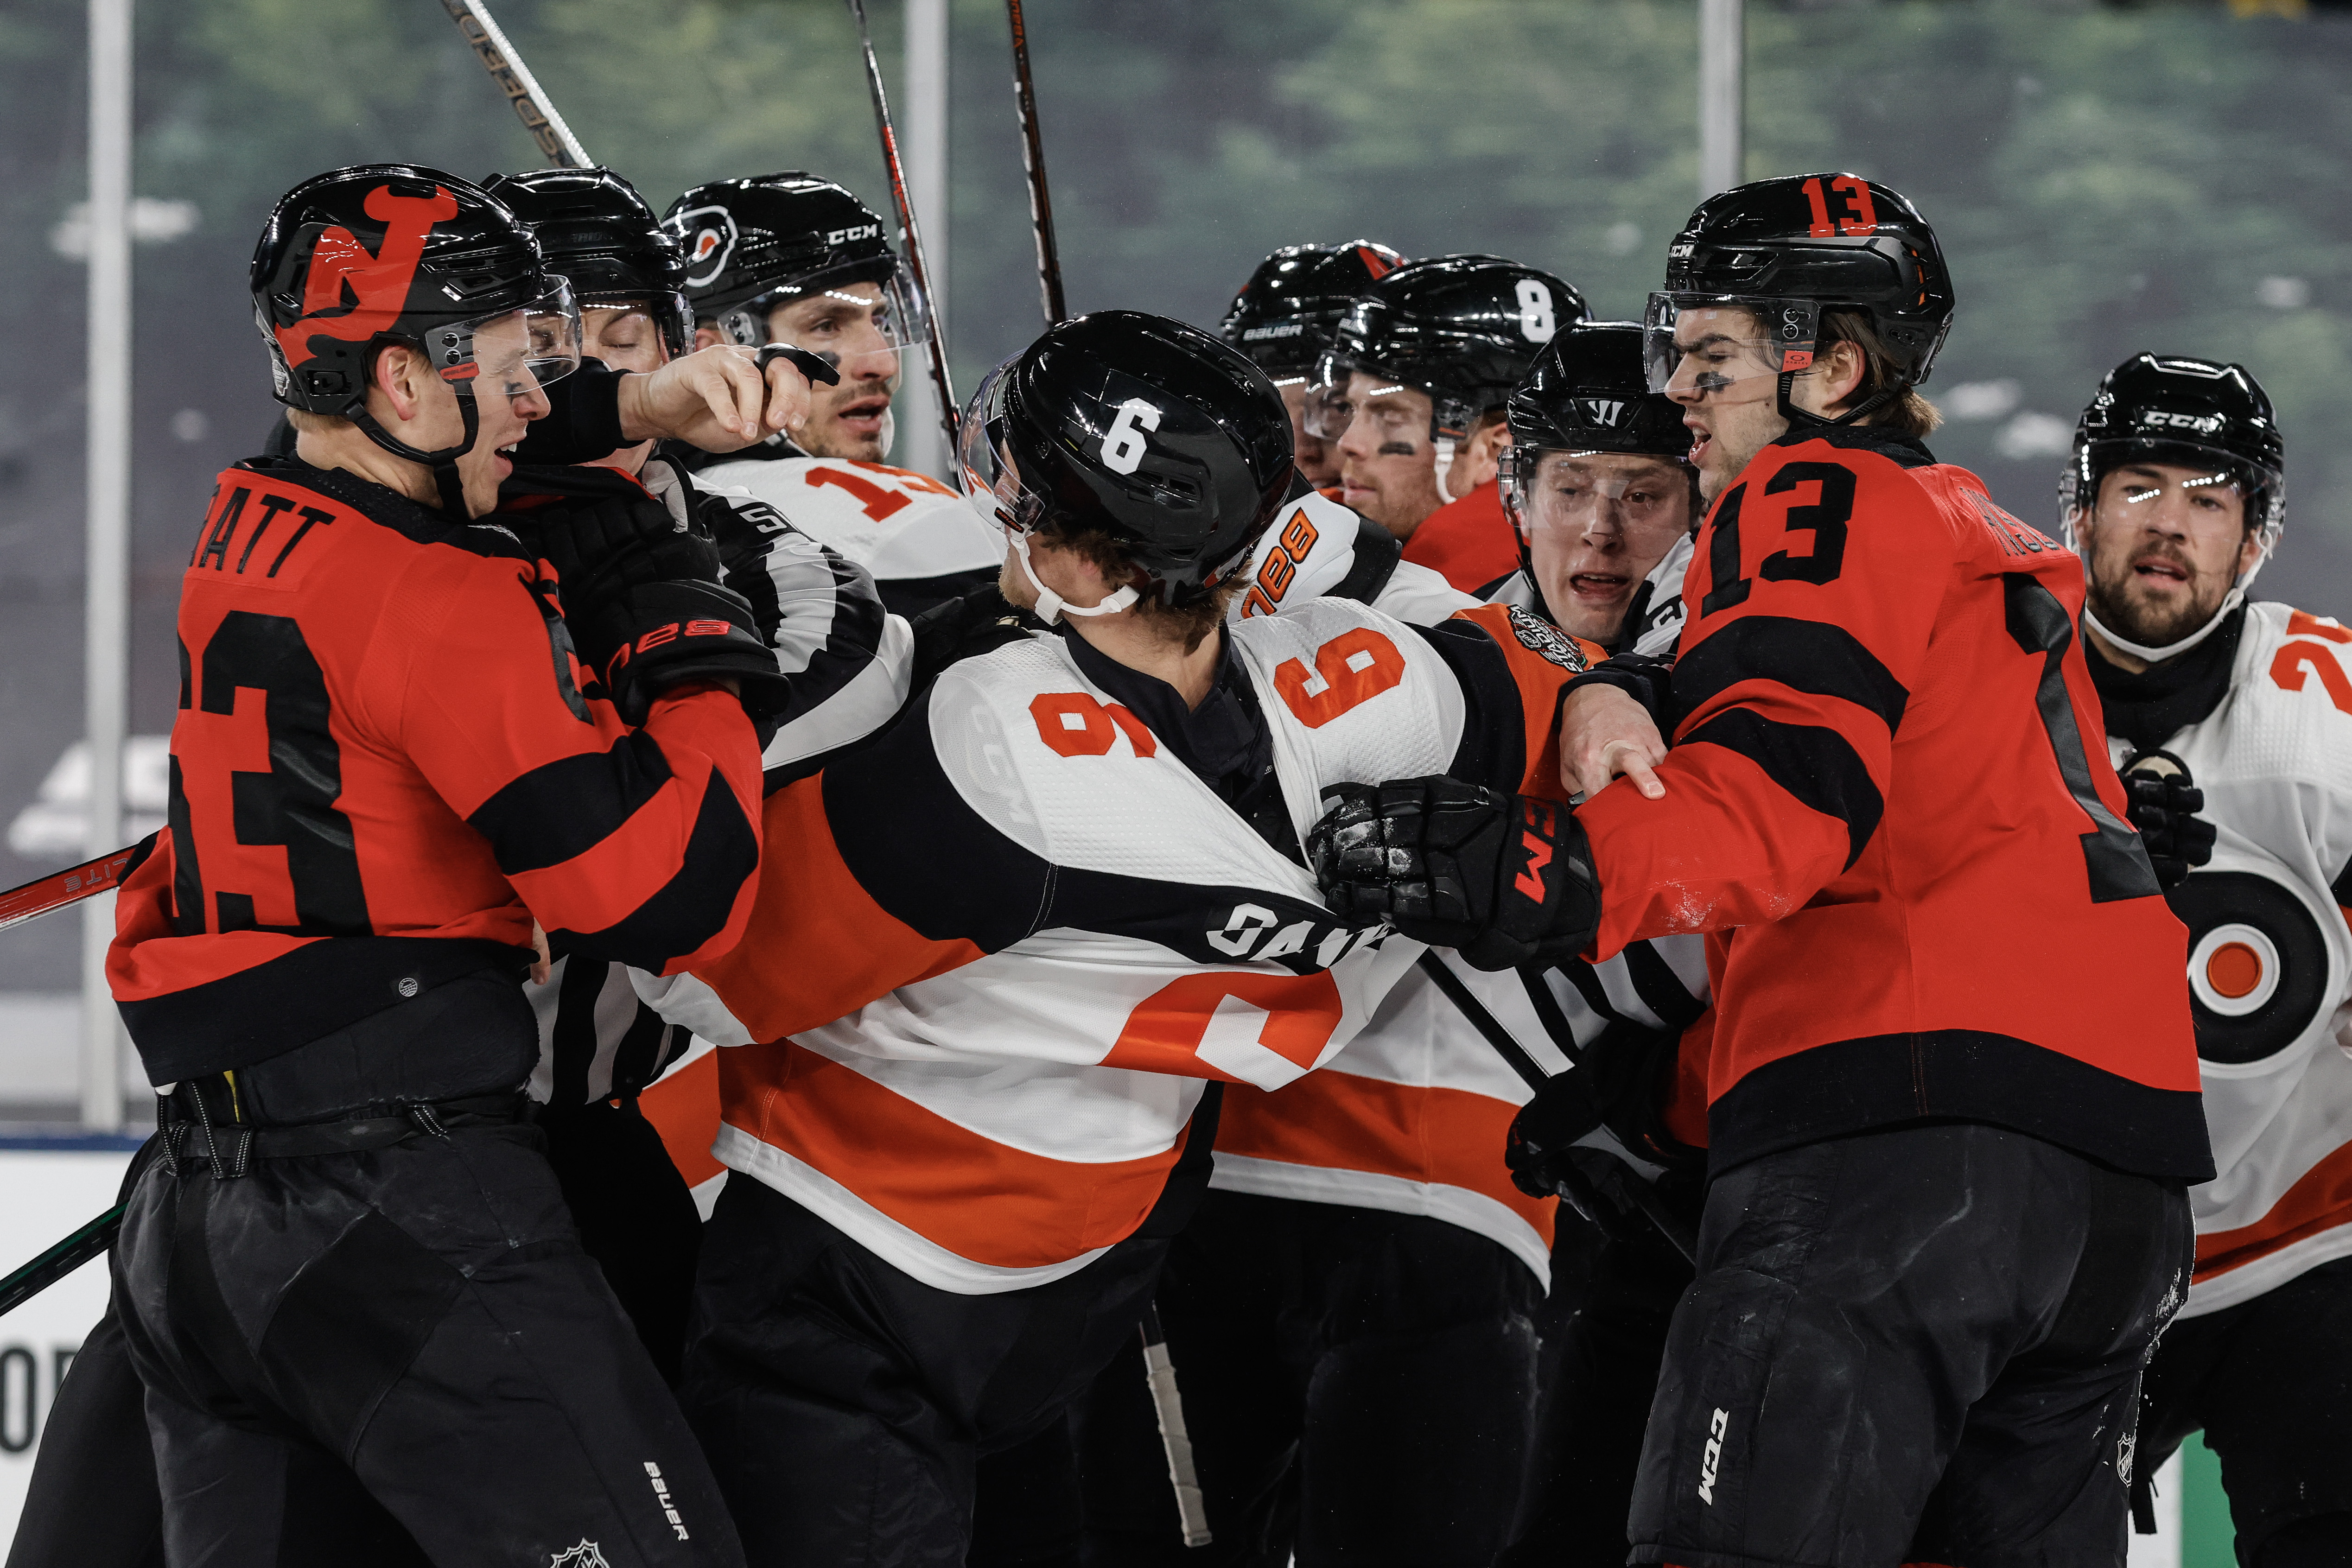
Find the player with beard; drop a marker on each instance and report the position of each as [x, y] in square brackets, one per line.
[2232, 722]
[1946, 1217]
[1282, 319]
[793, 258]
[1411, 391]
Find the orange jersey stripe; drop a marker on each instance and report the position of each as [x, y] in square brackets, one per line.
[2321, 1199]
[684, 1109]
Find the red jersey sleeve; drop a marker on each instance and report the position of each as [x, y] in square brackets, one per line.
[638, 846]
[1815, 585]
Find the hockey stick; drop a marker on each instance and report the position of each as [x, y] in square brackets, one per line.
[1645, 1196]
[555, 140]
[59, 1262]
[1033, 158]
[1191, 1509]
[909, 240]
[47, 894]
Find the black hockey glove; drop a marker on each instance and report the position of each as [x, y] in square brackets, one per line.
[958, 629]
[1621, 1081]
[1546, 1126]
[2163, 806]
[1647, 679]
[645, 604]
[1504, 880]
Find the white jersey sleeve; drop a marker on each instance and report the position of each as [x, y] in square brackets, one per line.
[896, 523]
[1315, 547]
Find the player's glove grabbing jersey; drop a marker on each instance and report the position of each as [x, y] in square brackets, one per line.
[2269, 952]
[1009, 942]
[383, 768]
[1881, 803]
[919, 538]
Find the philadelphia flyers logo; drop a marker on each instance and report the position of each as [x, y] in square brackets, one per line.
[1376, 263]
[2257, 964]
[377, 283]
[708, 235]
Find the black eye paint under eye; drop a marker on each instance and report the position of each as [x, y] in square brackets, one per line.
[1397, 449]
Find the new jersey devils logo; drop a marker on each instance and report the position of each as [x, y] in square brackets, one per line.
[709, 236]
[377, 283]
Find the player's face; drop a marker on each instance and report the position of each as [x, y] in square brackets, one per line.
[623, 337]
[2163, 543]
[1388, 465]
[1597, 522]
[507, 398]
[1728, 383]
[1314, 456]
[845, 323]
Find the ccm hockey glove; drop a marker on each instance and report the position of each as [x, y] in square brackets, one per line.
[645, 605]
[2163, 805]
[1504, 880]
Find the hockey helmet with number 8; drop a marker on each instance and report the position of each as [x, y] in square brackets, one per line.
[1462, 329]
[1138, 427]
[2190, 414]
[1784, 251]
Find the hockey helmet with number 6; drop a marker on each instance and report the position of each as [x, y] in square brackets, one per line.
[1462, 328]
[1285, 315]
[595, 229]
[1138, 427]
[2193, 413]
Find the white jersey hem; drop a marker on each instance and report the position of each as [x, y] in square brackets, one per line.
[2267, 1273]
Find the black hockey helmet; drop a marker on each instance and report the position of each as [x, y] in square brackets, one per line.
[2198, 414]
[1462, 328]
[381, 252]
[753, 245]
[1786, 249]
[1588, 393]
[595, 229]
[1285, 315]
[1142, 428]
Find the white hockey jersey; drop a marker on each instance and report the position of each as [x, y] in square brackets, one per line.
[1315, 547]
[999, 952]
[903, 527]
[2270, 958]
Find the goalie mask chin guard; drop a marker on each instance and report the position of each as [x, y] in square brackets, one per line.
[1139, 428]
[383, 253]
[1784, 251]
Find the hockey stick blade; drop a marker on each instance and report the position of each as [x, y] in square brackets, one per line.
[47, 894]
[483, 34]
[55, 1264]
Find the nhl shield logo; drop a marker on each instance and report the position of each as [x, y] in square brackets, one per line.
[1540, 637]
[708, 234]
[583, 1555]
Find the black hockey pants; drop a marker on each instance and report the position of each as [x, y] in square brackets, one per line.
[1922, 1345]
[1358, 1386]
[421, 1315]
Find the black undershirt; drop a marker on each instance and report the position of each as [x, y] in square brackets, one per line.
[2150, 707]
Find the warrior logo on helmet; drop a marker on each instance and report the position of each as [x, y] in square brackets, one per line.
[376, 285]
[710, 242]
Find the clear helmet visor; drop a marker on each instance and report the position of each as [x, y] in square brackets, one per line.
[992, 484]
[1341, 391]
[2176, 480]
[516, 352]
[840, 320]
[1576, 495]
[1703, 345]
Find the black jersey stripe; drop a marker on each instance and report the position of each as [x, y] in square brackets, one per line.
[1810, 656]
[567, 808]
[722, 852]
[1660, 990]
[1816, 766]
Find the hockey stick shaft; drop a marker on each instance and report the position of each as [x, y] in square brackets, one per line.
[1192, 1508]
[59, 1262]
[47, 894]
[1033, 158]
[1645, 1196]
[911, 239]
[490, 45]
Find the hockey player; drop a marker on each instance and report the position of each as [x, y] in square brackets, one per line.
[1946, 1217]
[349, 1252]
[2175, 497]
[1413, 390]
[792, 258]
[1130, 924]
[1282, 319]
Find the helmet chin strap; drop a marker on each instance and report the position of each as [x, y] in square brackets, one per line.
[1806, 419]
[2229, 602]
[889, 432]
[1052, 606]
[446, 481]
[1444, 445]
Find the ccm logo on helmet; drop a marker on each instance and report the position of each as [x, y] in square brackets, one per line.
[2202, 424]
[864, 231]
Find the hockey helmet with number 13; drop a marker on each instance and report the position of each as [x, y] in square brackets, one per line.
[1138, 427]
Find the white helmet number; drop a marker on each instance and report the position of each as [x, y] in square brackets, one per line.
[1536, 321]
[1123, 444]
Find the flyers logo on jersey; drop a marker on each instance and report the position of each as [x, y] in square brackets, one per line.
[377, 283]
